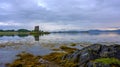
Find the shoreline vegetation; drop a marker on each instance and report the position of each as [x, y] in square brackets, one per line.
[21, 32]
[40, 32]
[25, 32]
[96, 55]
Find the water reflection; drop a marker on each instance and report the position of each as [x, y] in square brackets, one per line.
[22, 35]
[64, 37]
[36, 37]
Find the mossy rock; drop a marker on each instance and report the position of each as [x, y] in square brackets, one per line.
[104, 62]
[108, 60]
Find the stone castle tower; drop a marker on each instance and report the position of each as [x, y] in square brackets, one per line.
[36, 29]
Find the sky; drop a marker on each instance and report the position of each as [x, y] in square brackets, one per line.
[57, 15]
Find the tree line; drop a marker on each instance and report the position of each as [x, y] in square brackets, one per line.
[19, 30]
[25, 30]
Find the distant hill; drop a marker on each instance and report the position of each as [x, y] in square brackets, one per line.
[89, 31]
[104, 30]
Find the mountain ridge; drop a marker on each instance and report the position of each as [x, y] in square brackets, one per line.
[88, 31]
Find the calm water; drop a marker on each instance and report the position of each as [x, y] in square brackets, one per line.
[64, 38]
[41, 45]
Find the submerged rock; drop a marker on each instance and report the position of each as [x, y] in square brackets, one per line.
[95, 51]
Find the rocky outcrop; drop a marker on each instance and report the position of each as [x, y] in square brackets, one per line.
[83, 57]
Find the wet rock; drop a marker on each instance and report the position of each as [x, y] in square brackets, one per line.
[82, 57]
[91, 64]
[108, 51]
[117, 55]
[85, 54]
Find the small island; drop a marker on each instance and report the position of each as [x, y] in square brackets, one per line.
[23, 32]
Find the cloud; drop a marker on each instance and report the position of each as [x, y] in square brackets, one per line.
[9, 24]
[61, 14]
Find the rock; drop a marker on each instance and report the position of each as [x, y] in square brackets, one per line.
[91, 64]
[117, 55]
[95, 51]
[43, 61]
[85, 54]
[99, 64]
[108, 51]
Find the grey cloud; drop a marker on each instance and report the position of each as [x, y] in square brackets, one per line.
[76, 12]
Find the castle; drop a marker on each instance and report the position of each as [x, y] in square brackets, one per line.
[36, 29]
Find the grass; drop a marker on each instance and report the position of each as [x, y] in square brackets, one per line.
[108, 61]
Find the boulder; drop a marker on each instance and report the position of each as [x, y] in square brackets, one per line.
[95, 51]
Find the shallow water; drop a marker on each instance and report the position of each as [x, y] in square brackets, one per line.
[42, 45]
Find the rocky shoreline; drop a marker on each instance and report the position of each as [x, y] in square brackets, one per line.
[96, 55]
[86, 56]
